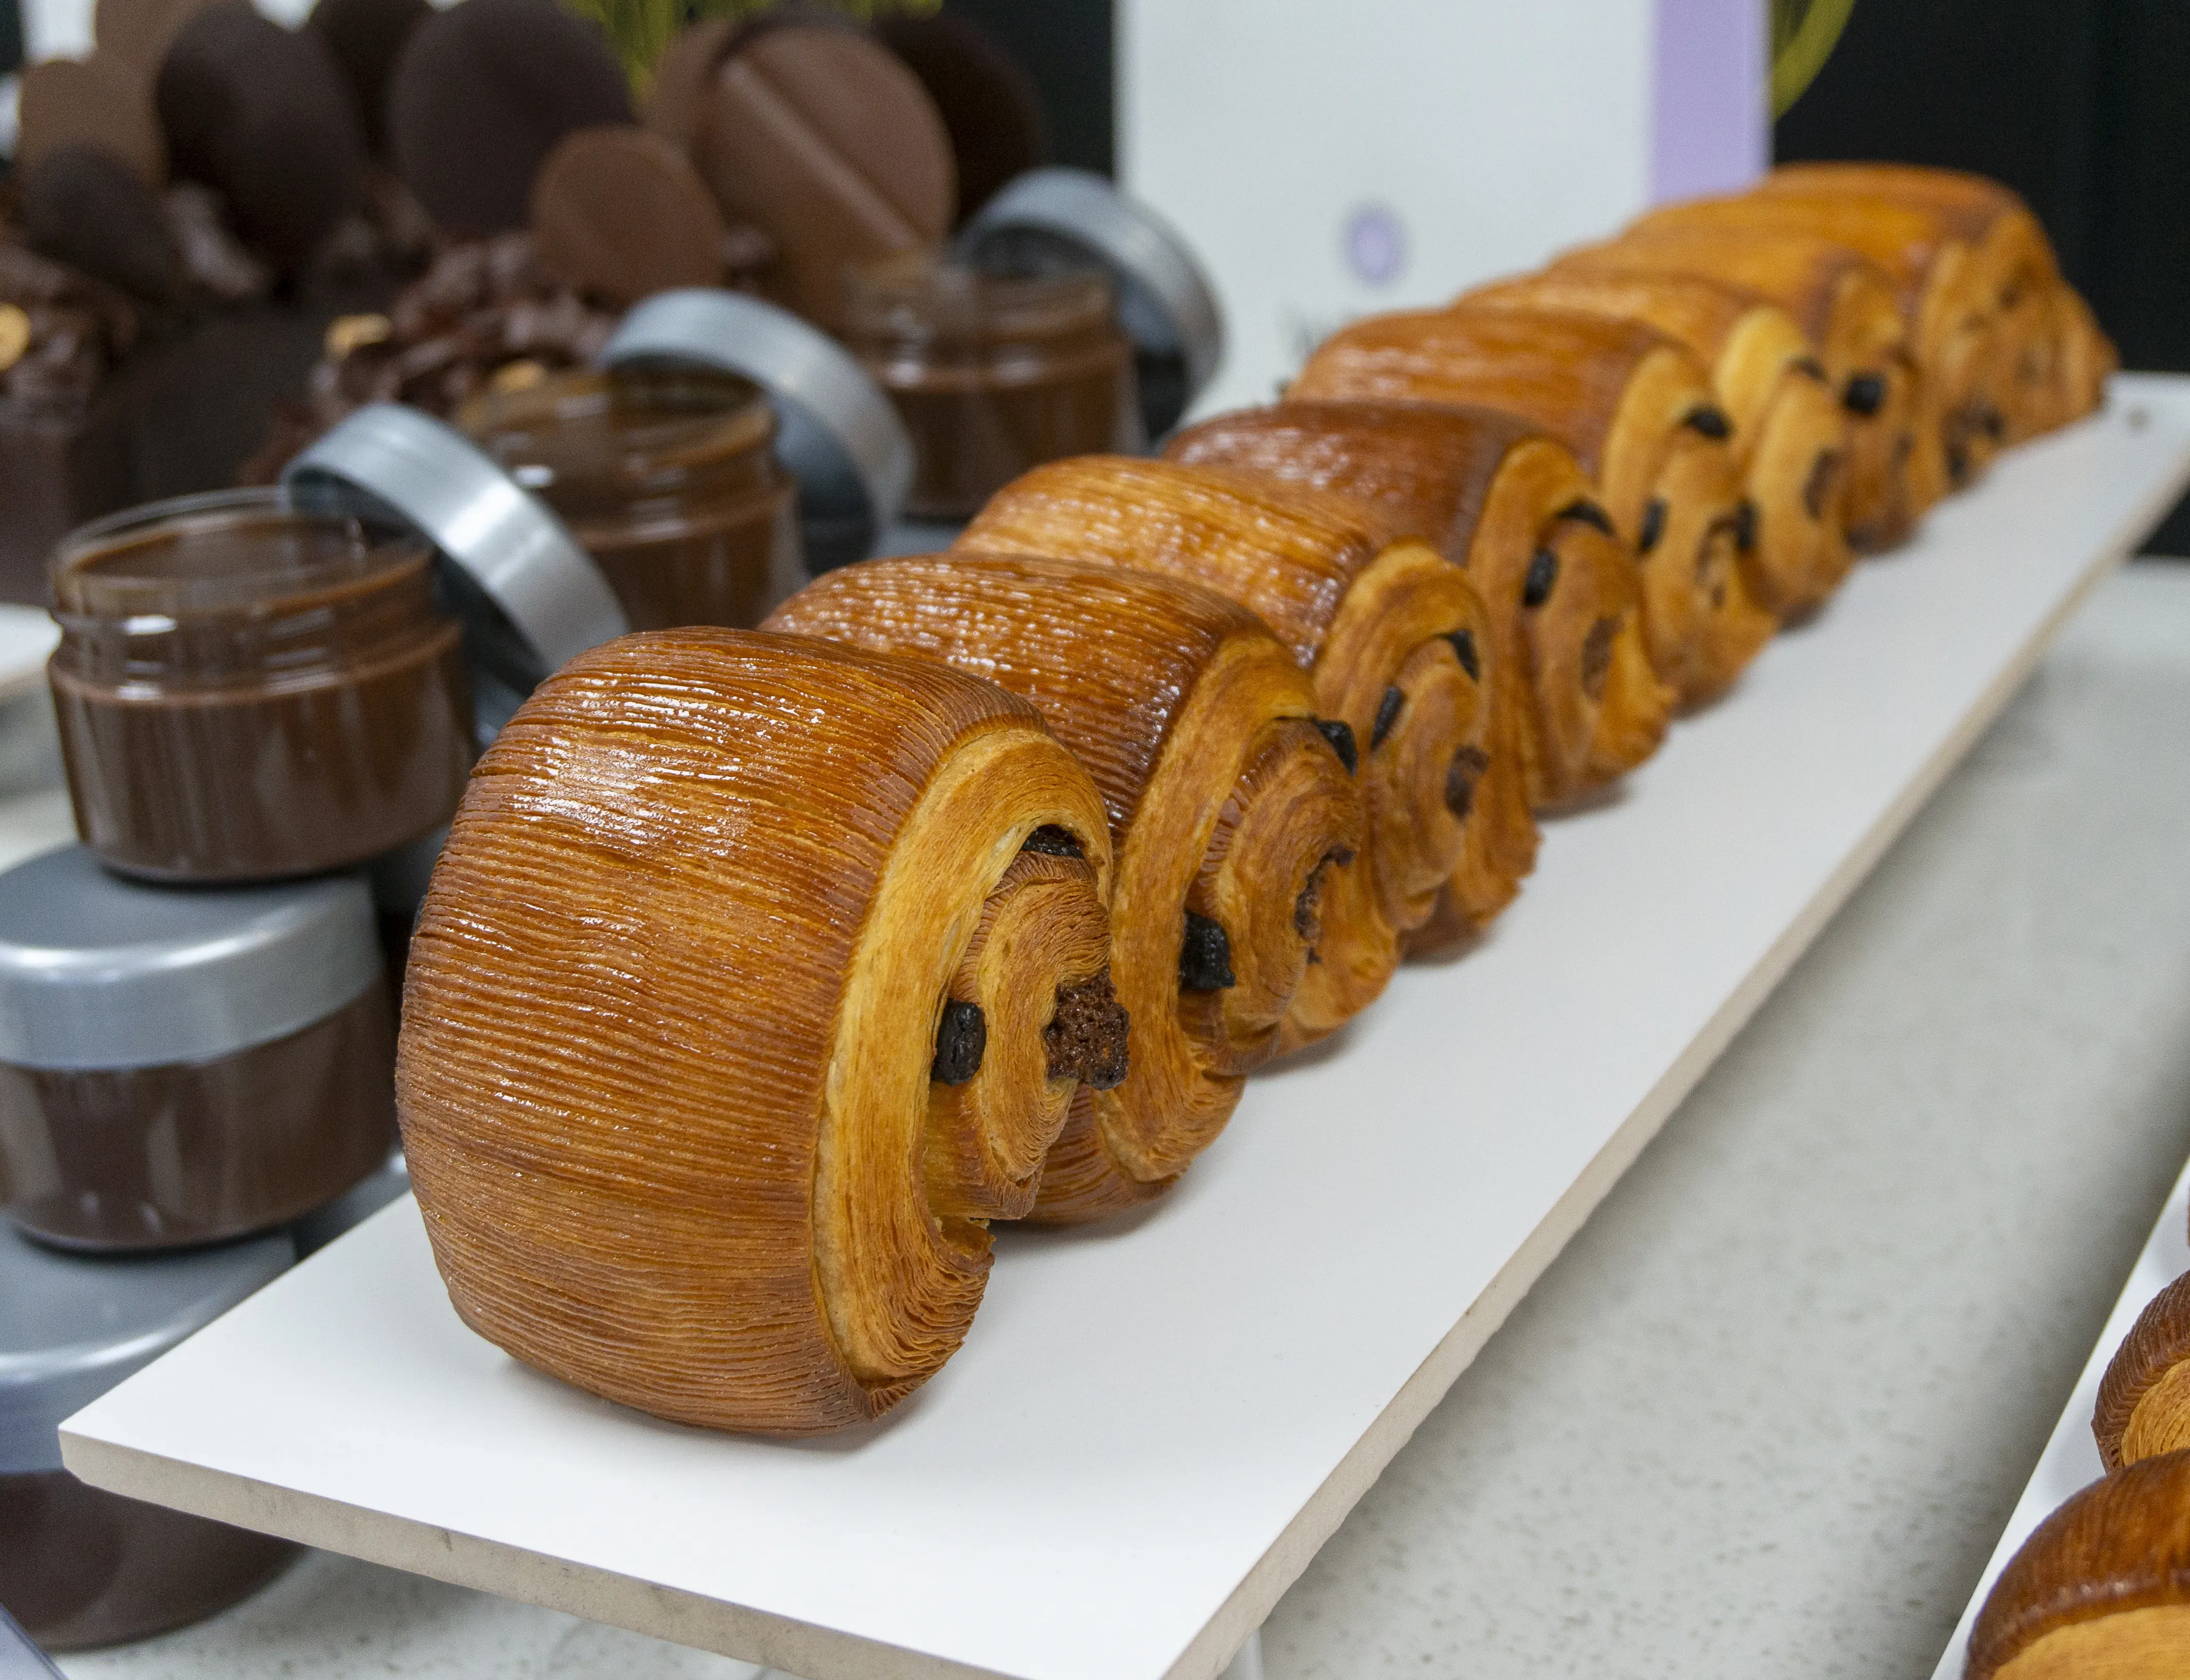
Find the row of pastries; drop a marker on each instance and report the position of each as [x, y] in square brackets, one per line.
[763, 970]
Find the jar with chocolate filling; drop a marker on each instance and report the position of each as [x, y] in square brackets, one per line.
[80, 1567]
[667, 477]
[994, 374]
[185, 1068]
[246, 690]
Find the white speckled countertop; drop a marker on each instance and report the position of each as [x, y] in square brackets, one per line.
[1767, 1413]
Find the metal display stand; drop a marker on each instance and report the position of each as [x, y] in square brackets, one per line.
[1153, 1426]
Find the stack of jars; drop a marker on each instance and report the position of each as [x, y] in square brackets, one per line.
[257, 704]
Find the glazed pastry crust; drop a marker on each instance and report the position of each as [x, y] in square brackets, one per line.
[1848, 307]
[1224, 801]
[1371, 615]
[2088, 1580]
[2144, 1399]
[1790, 435]
[672, 1011]
[1489, 491]
[1620, 395]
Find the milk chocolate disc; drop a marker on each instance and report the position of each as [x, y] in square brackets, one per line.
[683, 74]
[98, 100]
[987, 99]
[83, 205]
[622, 213]
[481, 95]
[823, 138]
[366, 36]
[262, 115]
[137, 31]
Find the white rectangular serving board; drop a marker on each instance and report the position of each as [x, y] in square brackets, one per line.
[1153, 1426]
[2071, 1460]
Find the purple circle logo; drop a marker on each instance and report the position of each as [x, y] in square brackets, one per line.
[1376, 244]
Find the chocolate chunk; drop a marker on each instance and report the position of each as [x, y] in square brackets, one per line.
[1865, 394]
[1052, 841]
[1653, 525]
[1810, 368]
[622, 214]
[99, 100]
[988, 101]
[366, 37]
[1711, 422]
[136, 32]
[480, 94]
[1340, 734]
[1597, 657]
[960, 1039]
[1467, 769]
[1745, 525]
[262, 115]
[1543, 576]
[823, 140]
[1819, 483]
[1387, 714]
[83, 205]
[1463, 649]
[1584, 512]
[1087, 1037]
[1204, 956]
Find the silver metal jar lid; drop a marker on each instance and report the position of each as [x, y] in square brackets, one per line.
[1051, 217]
[71, 1326]
[392, 462]
[837, 432]
[100, 971]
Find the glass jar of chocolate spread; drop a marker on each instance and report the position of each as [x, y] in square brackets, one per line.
[667, 477]
[247, 692]
[992, 374]
[80, 1567]
[185, 1067]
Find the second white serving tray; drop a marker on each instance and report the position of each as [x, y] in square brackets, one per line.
[1153, 1426]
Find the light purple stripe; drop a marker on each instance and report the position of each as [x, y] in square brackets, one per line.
[1711, 126]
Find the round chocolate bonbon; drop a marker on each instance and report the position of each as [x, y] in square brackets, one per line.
[819, 136]
[987, 101]
[622, 214]
[261, 115]
[481, 95]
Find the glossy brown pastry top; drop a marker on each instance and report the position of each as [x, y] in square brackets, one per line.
[2101, 1587]
[1972, 205]
[2144, 1399]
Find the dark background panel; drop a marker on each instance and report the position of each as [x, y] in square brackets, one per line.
[2081, 105]
[1066, 45]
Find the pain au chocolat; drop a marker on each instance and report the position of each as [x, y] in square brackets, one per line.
[2144, 1399]
[1402, 654]
[1510, 505]
[2101, 1590]
[1942, 297]
[757, 976]
[2052, 358]
[1230, 808]
[1846, 306]
[1637, 409]
[1789, 433]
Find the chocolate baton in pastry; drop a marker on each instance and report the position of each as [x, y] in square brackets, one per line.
[1847, 305]
[1229, 808]
[1943, 300]
[1635, 408]
[825, 141]
[480, 94]
[1509, 503]
[2048, 344]
[1789, 434]
[1402, 652]
[755, 979]
[2144, 1399]
[2101, 1590]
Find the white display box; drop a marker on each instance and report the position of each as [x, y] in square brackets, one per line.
[1153, 1426]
